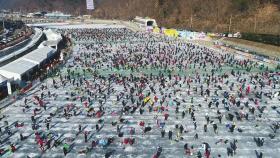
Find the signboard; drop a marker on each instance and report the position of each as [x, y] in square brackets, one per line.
[90, 5]
[9, 88]
[61, 57]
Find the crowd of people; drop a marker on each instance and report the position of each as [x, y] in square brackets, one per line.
[129, 94]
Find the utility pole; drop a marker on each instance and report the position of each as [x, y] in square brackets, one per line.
[230, 21]
[3, 20]
[255, 26]
[191, 24]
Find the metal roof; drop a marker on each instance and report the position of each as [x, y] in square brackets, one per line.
[27, 62]
[39, 55]
[19, 66]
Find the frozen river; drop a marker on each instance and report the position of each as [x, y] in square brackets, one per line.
[118, 86]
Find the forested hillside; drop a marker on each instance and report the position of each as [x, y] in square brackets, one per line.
[259, 16]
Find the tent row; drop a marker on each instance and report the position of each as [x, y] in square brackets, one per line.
[20, 69]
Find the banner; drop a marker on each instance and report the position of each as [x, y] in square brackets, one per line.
[90, 5]
[171, 32]
[9, 88]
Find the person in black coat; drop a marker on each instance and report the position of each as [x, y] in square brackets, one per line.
[170, 135]
[162, 133]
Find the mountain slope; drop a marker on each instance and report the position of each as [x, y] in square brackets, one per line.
[260, 16]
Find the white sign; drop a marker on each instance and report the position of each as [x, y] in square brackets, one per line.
[90, 5]
[9, 88]
[61, 57]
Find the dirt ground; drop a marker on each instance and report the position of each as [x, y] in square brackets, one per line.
[264, 49]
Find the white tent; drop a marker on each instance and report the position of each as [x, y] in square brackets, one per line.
[52, 36]
[17, 69]
[38, 56]
[53, 39]
[3, 79]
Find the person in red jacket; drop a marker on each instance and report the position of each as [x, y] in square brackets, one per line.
[166, 115]
[41, 143]
[142, 123]
[207, 154]
[12, 148]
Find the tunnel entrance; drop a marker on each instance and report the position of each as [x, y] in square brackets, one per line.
[150, 23]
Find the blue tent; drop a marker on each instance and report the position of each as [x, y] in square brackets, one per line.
[103, 142]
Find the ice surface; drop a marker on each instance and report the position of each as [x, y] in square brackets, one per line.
[100, 54]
